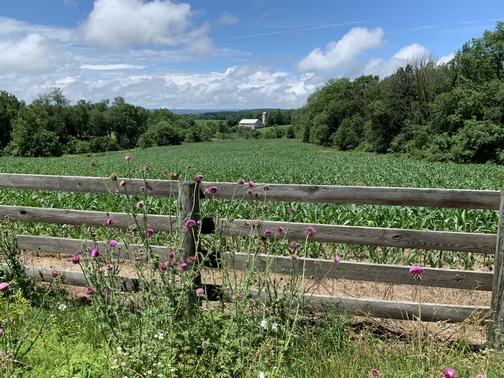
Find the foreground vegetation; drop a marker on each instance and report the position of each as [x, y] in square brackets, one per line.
[168, 329]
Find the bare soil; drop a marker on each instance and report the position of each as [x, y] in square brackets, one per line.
[472, 331]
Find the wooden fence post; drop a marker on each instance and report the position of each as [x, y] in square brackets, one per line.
[496, 328]
[189, 199]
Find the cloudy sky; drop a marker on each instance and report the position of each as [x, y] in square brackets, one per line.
[222, 54]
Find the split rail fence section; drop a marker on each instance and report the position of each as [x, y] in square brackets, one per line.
[371, 236]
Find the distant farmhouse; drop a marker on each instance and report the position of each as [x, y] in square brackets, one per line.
[251, 123]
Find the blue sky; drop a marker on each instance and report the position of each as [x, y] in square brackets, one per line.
[222, 54]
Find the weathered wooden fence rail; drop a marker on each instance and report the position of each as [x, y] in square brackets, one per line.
[375, 236]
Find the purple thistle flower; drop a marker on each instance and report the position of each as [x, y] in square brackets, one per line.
[213, 189]
[75, 259]
[294, 245]
[375, 372]
[449, 373]
[89, 290]
[4, 286]
[247, 223]
[171, 254]
[241, 181]
[149, 231]
[163, 266]
[280, 229]
[183, 266]
[251, 183]
[200, 291]
[54, 273]
[337, 258]
[95, 253]
[267, 233]
[109, 267]
[137, 258]
[198, 178]
[310, 231]
[292, 210]
[127, 157]
[293, 256]
[1, 331]
[112, 242]
[110, 221]
[140, 204]
[417, 273]
[190, 223]
[107, 291]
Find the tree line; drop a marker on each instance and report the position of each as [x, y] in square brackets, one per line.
[439, 112]
[50, 126]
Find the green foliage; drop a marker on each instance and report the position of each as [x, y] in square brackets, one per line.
[420, 110]
[163, 133]
[9, 107]
[30, 138]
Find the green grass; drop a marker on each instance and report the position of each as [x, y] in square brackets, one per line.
[203, 122]
[118, 335]
[263, 129]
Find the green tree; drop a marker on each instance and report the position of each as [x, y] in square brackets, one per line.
[164, 133]
[30, 138]
[9, 108]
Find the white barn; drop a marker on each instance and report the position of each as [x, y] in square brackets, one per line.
[252, 123]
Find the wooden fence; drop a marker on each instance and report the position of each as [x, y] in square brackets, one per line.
[370, 236]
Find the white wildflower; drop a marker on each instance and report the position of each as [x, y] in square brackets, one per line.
[274, 326]
[62, 307]
[264, 324]
[261, 374]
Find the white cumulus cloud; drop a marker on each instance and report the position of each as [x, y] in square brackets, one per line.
[342, 52]
[117, 24]
[405, 55]
[31, 54]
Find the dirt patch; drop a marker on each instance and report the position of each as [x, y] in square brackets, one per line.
[473, 332]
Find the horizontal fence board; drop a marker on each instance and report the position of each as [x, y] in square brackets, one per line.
[85, 218]
[376, 236]
[360, 271]
[67, 246]
[387, 237]
[366, 307]
[77, 278]
[317, 268]
[417, 197]
[163, 188]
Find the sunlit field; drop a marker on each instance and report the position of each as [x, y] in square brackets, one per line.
[160, 332]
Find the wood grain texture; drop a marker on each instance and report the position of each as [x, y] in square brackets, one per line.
[85, 218]
[163, 188]
[316, 268]
[496, 330]
[360, 271]
[367, 307]
[444, 198]
[384, 309]
[67, 246]
[386, 237]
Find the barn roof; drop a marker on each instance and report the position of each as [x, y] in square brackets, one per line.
[249, 120]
